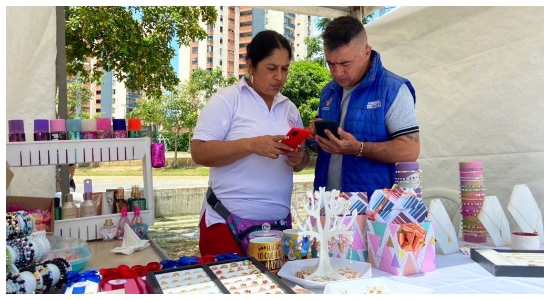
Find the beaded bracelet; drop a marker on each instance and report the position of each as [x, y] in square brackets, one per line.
[8, 256]
[64, 267]
[12, 225]
[47, 279]
[16, 283]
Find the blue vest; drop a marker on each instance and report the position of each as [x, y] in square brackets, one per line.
[367, 108]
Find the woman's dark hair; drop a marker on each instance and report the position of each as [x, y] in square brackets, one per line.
[340, 31]
[263, 44]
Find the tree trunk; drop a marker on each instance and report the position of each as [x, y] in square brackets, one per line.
[175, 163]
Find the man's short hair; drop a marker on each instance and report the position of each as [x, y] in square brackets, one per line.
[341, 31]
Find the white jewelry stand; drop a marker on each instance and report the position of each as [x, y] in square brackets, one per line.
[445, 233]
[525, 210]
[493, 219]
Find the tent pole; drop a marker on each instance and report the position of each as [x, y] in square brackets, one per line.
[61, 78]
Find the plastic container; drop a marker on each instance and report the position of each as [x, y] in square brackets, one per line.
[74, 250]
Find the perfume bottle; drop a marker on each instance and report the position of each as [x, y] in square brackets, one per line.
[58, 129]
[140, 228]
[136, 199]
[134, 128]
[109, 231]
[119, 128]
[89, 129]
[120, 202]
[17, 130]
[42, 130]
[74, 129]
[104, 129]
[88, 208]
[68, 210]
[137, 214]
[122, 222]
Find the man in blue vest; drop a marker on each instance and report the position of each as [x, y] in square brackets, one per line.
[375, 110]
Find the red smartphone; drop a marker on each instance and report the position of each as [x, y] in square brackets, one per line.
[295, 137]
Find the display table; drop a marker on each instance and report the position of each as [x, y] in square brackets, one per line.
[102, 257]
[457, 273]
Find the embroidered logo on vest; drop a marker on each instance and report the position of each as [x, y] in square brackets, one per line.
[374, 104]
[327, 104]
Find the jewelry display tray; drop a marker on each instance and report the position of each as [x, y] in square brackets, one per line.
[507, 270]
[258, 280]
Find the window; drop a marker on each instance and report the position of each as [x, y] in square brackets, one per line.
[210, 26]
[221, 40]
[209, 59]
[221, 29]
[195, 60]
[221, 51]
[209, 48]
[210, 38]
[195, 49]
[114, 91]
[98, 92]
[209, 69]
[98, 101]
[220, 62]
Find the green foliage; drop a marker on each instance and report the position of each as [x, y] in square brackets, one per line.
[308, 110]
[315, 52]
[305, 80]
[132, 41]
[77, 96]
[203, 84]
[169, 136]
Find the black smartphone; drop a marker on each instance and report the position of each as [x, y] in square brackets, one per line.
[321, 125]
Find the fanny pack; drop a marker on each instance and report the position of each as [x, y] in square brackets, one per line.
[241, 228]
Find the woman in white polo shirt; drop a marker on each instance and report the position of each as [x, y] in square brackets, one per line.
[238, 136]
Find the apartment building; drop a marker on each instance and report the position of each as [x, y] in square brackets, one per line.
[225, 46]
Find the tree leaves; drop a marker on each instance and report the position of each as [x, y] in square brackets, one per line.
[133, 41]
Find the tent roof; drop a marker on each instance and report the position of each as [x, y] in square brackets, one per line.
[326, 11]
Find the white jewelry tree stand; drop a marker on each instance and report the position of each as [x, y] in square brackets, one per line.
[445, 233]
[335, 212]
[493, 219]
[525, 210]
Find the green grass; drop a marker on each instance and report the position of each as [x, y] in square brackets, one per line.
[167, 171]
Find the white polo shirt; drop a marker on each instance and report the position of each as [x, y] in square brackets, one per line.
[254, 187]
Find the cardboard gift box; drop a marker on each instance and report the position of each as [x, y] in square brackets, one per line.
[395, 250]
[30, 203]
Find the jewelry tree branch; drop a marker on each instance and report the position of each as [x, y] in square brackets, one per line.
[335, 213]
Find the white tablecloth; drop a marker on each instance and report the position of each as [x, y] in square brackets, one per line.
[457, 273]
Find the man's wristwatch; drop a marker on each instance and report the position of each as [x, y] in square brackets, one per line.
[360, 152]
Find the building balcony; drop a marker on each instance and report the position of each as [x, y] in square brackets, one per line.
[245, 40]
[245, 29]
[246, 18]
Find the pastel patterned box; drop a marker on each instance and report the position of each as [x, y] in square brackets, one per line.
[401, 249]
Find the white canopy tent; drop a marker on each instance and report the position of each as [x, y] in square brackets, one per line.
[478, 74]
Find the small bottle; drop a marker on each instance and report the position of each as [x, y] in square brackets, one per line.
[104, 129]
[109, 231]
[137, 214]
[122, 222]
[88, 208]
[140, 228]
[58, 129]
[17, 130]
[89, 129]
[120, 202]
[137, 199]
[68, 210]
[74, 129]
[119, 128]
[42, 130]
[134, 128]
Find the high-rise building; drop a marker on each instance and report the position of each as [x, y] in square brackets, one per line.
[225, 45]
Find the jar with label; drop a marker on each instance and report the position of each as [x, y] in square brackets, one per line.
[266, 246]
[68, 210]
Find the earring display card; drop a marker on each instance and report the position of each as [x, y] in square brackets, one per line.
[244, 275]
[510, 263]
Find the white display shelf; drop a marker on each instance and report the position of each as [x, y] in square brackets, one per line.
[43, 153]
